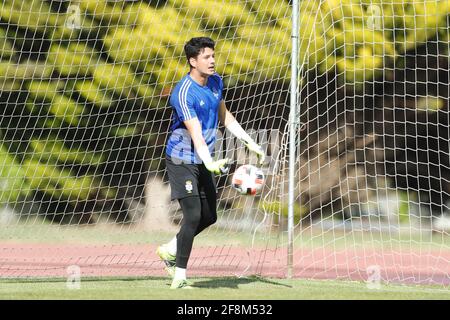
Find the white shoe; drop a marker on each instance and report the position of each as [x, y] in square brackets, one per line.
[180, 284]
[168, 259]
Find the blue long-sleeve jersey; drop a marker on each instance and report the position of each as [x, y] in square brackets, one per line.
[191, 100]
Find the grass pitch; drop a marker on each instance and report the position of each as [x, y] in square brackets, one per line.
[214, 288]
[220, 288]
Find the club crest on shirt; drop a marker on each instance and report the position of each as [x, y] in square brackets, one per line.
[188, 186]
[215, 93]
[202, 103]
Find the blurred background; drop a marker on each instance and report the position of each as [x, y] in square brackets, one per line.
[84, 112]
[85, 87]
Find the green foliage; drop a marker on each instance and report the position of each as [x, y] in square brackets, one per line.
[45, 90]
[122, 81]
[421, 19]
[123, 131]
[56, 103]
[6, 48]
[106, 12]
[90, 91]
[155, 37]
[36, 15]
[430, 104]
[404, 206]
[25, 71]
[57, 183]
[163, 27]
[75, 60]
[12, 178]
[277, 39]
[134, 47]
[360, 38]
[281, 209]
[123, 57]
[12, 75]
[274, 12]
[54, 150]
[170, 72]
[215, 15]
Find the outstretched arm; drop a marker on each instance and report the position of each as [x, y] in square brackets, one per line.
[225, 116]
[195, 130]
[227, 119]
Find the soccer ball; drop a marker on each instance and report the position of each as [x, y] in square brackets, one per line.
[248, 180]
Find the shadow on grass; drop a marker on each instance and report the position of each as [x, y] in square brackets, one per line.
[234, 282]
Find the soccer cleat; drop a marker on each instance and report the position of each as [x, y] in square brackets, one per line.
[180, 284]
[170, 271]
[167, 258]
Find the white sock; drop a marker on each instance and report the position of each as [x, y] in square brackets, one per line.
[180, 274]
[172, 246]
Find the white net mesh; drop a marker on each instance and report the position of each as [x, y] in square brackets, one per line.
[373, 141]
[85, 119]
[85, 86]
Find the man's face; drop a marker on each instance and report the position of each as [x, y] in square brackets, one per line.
[205, 62]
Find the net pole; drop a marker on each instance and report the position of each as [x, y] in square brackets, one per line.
[292, 132]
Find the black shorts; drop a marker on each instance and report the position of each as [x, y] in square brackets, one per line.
[190, 180]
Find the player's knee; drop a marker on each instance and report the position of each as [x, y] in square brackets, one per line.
[191, 211]
[192, 218]
[212, 220]
[209, 213]
[195, 219]
[209, 221]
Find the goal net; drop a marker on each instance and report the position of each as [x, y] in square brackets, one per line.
[85, 118]
[373, 153]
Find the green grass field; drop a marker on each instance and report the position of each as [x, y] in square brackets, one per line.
[216, 289]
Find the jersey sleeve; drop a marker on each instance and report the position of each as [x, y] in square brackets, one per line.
[183, 103]
[219, 85]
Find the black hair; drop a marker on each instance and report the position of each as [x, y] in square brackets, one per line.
[195, 46]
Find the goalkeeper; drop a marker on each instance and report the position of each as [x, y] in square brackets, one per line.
[198, 105]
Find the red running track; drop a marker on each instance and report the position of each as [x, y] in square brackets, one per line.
[401, 266]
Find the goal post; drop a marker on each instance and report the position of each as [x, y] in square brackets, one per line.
[293, 114]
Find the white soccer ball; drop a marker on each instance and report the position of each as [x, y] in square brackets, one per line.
[248, 180]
